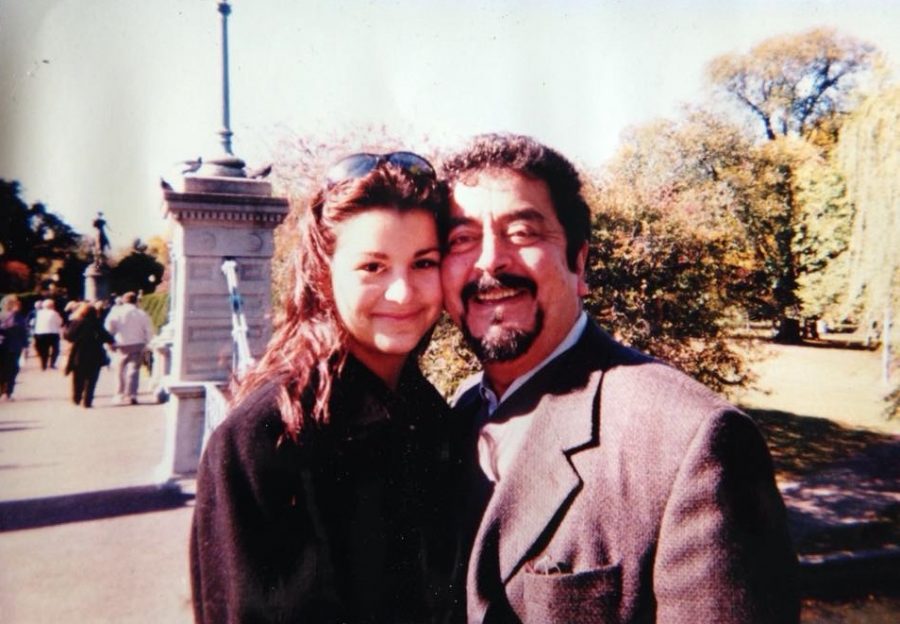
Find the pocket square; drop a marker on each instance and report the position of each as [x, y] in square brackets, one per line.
[546, 565]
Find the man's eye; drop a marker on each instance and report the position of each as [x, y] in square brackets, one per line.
[462, 242]
[522, 235]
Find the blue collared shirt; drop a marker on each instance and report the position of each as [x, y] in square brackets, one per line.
[499, 442]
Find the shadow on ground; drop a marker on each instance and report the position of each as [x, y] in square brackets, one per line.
[842, 491]
[41, 512]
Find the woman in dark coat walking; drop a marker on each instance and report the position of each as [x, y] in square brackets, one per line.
[13, 339]
[323, 496]
[88, 354]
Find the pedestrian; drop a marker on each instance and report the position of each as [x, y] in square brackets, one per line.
[606, 485]
[132, 330]
[13, 340]
[88, 353]
[47, 328]
[322, 496]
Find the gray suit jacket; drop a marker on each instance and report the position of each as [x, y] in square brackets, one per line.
[639, 496]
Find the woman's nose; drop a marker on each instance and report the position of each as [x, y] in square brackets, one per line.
[399, 290]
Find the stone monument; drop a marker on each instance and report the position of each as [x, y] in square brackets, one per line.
[219, 215]
[96, 275]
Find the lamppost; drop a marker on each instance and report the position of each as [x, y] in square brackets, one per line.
[227, 165]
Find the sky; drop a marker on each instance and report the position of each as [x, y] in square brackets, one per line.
[99, 98]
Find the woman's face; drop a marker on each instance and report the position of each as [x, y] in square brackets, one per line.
[385, 275]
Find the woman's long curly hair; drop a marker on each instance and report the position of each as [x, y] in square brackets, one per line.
[309, 345]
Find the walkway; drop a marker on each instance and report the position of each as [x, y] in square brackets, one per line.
[87, 534]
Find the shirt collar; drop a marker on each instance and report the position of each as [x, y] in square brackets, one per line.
[489, 396]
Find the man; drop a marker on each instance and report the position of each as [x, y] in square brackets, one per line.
[622, 490]
[47, 328]
[132, 330]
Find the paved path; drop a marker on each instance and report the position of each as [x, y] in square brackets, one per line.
[86, 532]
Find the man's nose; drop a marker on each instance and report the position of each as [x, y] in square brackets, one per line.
[399, 290]
[493, 255]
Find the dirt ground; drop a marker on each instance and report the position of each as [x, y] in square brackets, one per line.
[822, 379]
[823, 412]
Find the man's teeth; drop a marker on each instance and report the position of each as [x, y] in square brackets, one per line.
[497, 295]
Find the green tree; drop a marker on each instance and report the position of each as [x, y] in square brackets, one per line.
[136, 271]
[869, 153]
[34, 241]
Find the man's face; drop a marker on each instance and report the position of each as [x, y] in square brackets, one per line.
[505, 277]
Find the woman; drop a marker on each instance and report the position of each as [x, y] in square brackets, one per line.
[88, 354]
[323, 495]
[13, 339]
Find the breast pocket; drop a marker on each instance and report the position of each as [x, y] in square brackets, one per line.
[589, 596]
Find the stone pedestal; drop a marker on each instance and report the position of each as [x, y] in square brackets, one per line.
[96, 282]
[215, 219]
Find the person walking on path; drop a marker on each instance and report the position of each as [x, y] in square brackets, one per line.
[47, 328]
[132, 330]
[88, 355]
[13, 339]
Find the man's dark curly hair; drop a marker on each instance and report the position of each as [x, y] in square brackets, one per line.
[525, 156]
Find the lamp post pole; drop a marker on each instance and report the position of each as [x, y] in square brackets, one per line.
[225, 133]
[227, 165]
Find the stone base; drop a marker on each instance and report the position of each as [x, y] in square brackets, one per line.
[96, 283]
[185, 415]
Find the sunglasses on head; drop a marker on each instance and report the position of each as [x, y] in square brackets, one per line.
[357, 165]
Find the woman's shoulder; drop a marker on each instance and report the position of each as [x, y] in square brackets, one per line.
[252, 423]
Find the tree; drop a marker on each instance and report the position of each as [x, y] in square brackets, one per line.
[869, 153]
[668, 261]
[799, 85]
[34, 240]
[137, 271]
[799, 88]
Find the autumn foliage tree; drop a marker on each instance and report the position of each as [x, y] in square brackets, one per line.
[668, 264]
[798, 89]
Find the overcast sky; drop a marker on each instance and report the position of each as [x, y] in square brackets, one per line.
[98, 98]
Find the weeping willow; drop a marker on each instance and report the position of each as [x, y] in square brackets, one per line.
[869, 154]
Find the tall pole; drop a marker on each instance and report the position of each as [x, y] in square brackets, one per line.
[225, 132]
[226, 164]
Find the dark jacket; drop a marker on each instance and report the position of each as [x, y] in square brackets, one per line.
[13, 332]
[87, 336]
[637, 496]
[349, 525]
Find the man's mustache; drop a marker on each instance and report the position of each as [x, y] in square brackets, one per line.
[486, 283]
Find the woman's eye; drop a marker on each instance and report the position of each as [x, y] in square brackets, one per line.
[370, 267]
[426, 263]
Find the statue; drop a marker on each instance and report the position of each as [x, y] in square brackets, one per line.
[101, 242]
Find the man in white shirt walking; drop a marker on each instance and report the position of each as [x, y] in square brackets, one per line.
[47, 327]
[132, 330]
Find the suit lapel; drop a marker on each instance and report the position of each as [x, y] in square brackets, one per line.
[542, 481]
[529, 502]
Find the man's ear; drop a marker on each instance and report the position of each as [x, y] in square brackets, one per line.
[581, 270]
